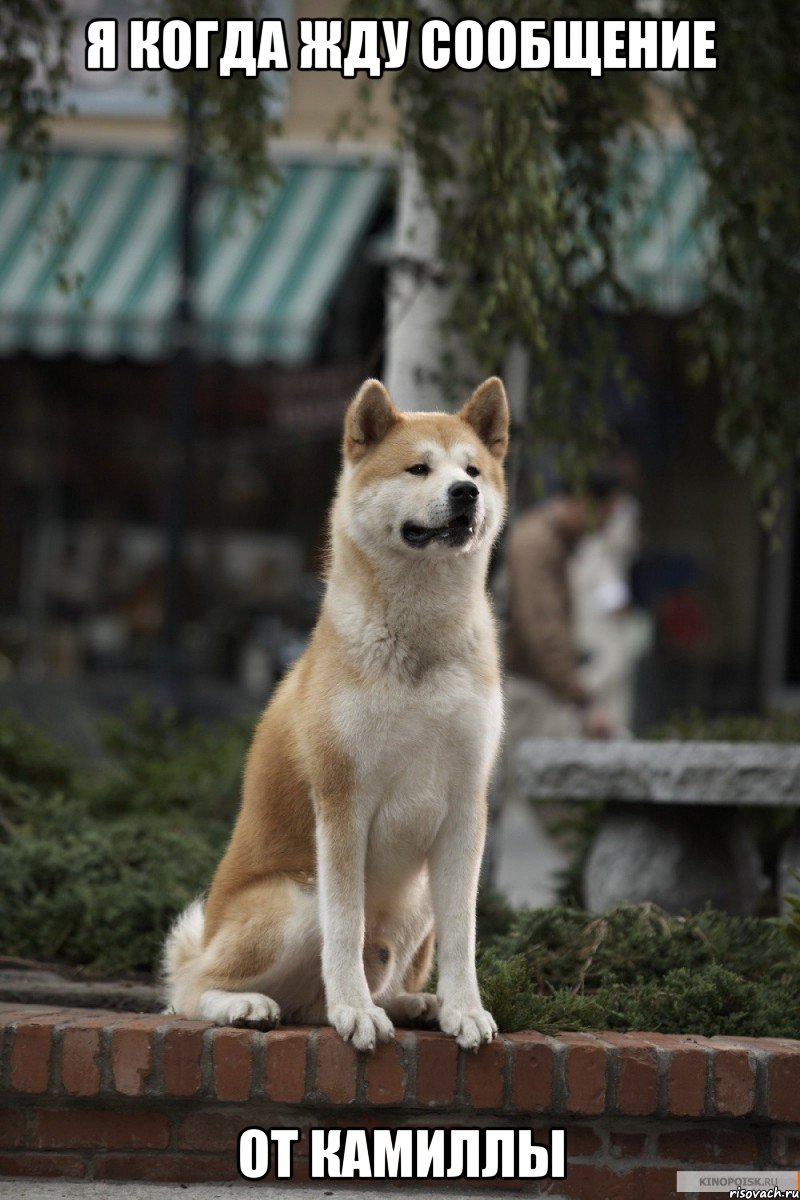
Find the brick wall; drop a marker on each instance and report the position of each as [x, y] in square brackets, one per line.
[118, 1096]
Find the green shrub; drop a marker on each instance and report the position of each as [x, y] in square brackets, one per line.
[792, 922]
[95, 863]
[710, 1002]
[30, 756]
[100, 894]
[692, 725]
[637, 968]
[160, 765]
[567, 947]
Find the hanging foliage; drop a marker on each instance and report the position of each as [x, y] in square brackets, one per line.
[34, 40]
[745, 121]
[520, 168]
[237, 112]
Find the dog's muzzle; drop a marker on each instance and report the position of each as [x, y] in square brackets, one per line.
[462, 498]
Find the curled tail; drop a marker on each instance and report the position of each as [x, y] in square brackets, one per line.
[182, 950]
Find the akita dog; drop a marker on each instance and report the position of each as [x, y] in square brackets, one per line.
[363, 814]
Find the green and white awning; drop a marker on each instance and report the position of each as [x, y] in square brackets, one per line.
[88, 257]
[663, 245]
[89, 251]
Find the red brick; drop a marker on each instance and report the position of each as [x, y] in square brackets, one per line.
[785, 1148]
[385, 1073]
[437, 1064]
[132, 1057]
[585, 1074]
[78, 1129]
[784, 1085]
[91, 1018]
[637, 1074]
[497, 1185]
[12, 1128]
[232, 1063]
[301, 1173]
[623, 1145]
[73, 1015]
[31, 1054]
[658, 1183]
[211, 1131]
[286, 1065]
[359, 1120]
[12, 1013]
[42, 1166]
[734, 1083]
[182, 1049]
[484, 1075]
[582, 1141]
[337, 1066]
[709, 1147]
[770, 1044]
[687, 1072]
[532, 1059]
[751, 1043]
[167, 1168]
[586, 1181]
[80, 1061]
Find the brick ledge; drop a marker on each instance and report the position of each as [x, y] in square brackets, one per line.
[122, 1095]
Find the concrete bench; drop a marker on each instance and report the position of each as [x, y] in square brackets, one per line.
[672, 832]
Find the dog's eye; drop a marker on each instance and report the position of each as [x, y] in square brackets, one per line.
[472, 471]
[419, 469]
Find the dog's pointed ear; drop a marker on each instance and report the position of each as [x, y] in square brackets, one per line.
[487, 412]
[369, 418]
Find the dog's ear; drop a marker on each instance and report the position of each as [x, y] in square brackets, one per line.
[487, 412]
[369, 418]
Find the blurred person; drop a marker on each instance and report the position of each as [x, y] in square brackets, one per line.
[611, 634]
[547, 695]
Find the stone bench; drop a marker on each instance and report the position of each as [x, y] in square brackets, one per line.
[672, 832]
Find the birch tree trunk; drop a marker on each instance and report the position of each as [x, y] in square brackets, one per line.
[417, 301]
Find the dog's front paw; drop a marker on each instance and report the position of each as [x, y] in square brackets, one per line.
[413, 1006]
[469, 1026]
[361, 1026]
[249, 1009]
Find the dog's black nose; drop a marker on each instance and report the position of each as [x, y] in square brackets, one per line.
[462, 494]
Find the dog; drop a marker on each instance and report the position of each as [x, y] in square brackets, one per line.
[363, 812]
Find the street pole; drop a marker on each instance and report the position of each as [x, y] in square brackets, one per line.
[182, 384]
[516, 375]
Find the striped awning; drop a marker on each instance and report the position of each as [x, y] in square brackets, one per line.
[89, 257]
[663, 245]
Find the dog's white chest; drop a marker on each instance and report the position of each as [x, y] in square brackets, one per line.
[415, 750]
[392, 731]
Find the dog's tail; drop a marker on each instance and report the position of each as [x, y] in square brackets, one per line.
[182, 950]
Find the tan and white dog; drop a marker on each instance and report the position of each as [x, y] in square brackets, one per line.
[364, 802]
